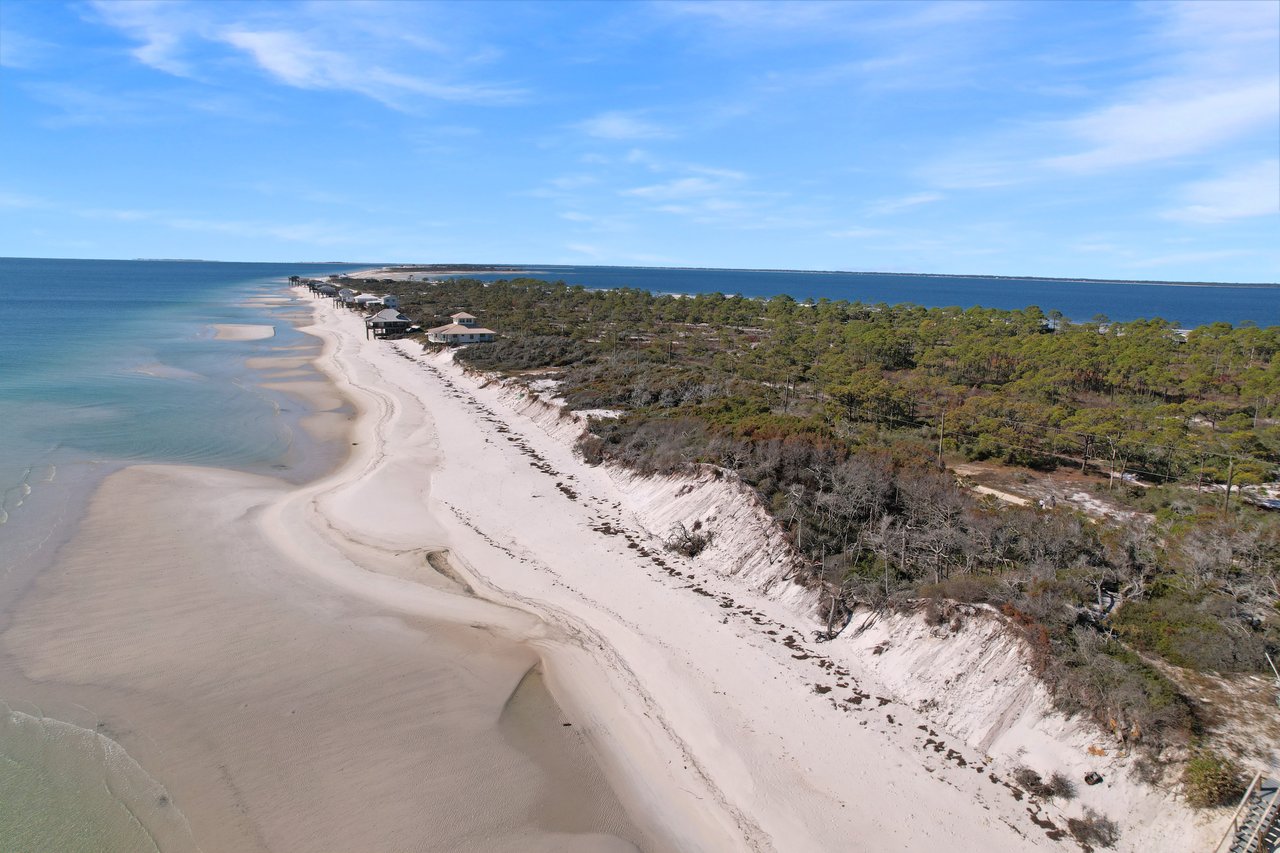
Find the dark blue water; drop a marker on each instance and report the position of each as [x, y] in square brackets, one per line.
[1184, 304]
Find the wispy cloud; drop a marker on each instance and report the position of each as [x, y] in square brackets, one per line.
[716, 196]
[622, 126]
[294, 61]
[162, 27]
[1183, 258]
[897, 205]
[857, 232]
[19, 50]
[1169, 123]
[307, 48]
[316, 232]
[81, 105]
[21, 201]
[774, 19]
[694, 186]
[1252, 190]
[1213, 83]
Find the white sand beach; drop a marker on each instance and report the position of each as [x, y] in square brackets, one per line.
[242, 331]
[709, 728]
[464, 638]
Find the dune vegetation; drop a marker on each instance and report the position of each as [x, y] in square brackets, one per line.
[849, 419]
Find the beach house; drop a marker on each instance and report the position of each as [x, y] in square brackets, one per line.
[461, 330]
[386, 323]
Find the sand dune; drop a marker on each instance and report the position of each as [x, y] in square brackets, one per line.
[709, 729]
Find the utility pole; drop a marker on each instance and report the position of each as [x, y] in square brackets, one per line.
[1277, 672]
[1231, 474]
[942, 425]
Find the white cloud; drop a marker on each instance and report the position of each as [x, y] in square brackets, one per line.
[821, 19]
[1249, 191]
[897, 205]
[593, 252]
[293, 60]
[317, 233]
[1211, 82]
[622, 126]
[18, 50]
[21, 201]
[161, 27]
[1169, 123]
[1216, 81]
[691, 187]
[572, 182]
[307, 47]
[1180, 258]
[857, 232]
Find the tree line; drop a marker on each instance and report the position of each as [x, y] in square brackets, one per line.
[843, 417]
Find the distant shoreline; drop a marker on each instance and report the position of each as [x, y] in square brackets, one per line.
[525, 269]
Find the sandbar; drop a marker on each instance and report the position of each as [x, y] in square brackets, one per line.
[242, 331]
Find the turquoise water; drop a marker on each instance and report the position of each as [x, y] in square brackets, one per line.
[110, 362]
[69, 789]
[103, 364]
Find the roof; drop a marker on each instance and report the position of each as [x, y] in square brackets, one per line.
[457, 328]
[462, 315]
[389, 315]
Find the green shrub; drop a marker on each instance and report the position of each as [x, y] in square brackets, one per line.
[968, 589]
[1211, 779]
[1192, 634]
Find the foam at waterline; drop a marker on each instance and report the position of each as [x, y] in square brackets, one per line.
[75, 789]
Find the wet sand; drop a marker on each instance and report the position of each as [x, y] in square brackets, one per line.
[260, 676]
[242, 331]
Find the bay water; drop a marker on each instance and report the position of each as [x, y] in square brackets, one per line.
[1184, 304]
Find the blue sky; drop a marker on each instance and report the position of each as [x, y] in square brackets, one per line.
[1110, 140]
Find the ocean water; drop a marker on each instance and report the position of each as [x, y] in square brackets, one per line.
[109, 362]
[104, 364]
[1184, 304]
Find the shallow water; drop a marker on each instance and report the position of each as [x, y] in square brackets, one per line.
[103, 364]
[75, 790]
[115, 361]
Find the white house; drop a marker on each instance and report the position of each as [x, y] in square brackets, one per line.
[372, 301]
[463, 330]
